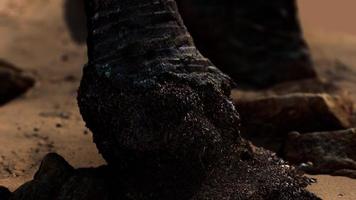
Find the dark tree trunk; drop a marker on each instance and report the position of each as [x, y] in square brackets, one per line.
[256, 42]
[146, 78]
[160, 112]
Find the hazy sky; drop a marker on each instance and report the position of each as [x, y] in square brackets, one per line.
[335, 15]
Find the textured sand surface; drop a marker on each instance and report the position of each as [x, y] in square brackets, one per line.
[334, 188]
[35, 38]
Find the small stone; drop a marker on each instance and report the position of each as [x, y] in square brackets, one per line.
[267, 120]
[13, 82]
[64, 57]
[53, 165]
[70, 78]
[324, 152]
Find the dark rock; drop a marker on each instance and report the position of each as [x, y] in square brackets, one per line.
[268, 120]
[52, 174]
[161, 114]
[308, 86]
[90, 184]
[5, 193]
[57, 180]
[327, 152]
[315, 86]
[256, 42]
[12, 82]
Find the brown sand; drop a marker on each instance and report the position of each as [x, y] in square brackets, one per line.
[334, 188]
[34, 37]
[329, 14]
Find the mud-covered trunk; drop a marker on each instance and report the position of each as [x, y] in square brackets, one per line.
[256, 42]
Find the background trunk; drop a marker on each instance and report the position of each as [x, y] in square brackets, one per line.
[255, 42]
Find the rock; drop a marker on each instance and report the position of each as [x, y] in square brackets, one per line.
[255, 42]
[57, 180]
[90, 184]
[268, 120]
[12, 82]
[53, 165]
[328, 152]
[5, 193]
[52, 174]
[315, 86]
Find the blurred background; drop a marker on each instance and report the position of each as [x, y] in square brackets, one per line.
[329, 15]
[42, 52]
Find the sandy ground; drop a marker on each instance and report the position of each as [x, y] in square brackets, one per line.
[329, 14]
[34, 36]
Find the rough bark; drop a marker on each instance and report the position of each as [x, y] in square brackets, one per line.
[145, 68]
[161, 115]
[256, 42]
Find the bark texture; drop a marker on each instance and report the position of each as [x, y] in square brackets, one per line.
[161, 115]
[256, 42]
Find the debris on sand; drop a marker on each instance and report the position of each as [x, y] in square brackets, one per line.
[56, 114]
